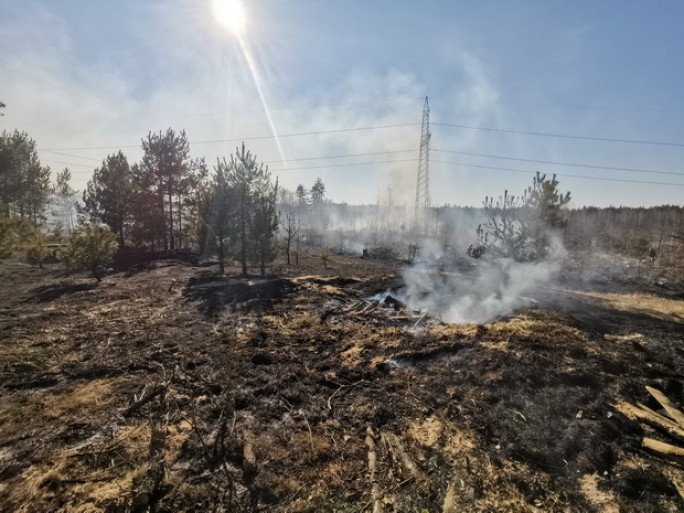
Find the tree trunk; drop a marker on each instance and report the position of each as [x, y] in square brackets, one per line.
[221, 255]
[243, 253]
[263, 261]
[243, 238]
[171, 237]
[163, 221]
[180, 221]
[122, 241]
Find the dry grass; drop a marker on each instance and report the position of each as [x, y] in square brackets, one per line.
[649, 304]
[527, 326]
[603, 501]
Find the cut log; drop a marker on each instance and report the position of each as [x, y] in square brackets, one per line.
[670, 408]
[662, 448]
[665, 422]
[643, 413]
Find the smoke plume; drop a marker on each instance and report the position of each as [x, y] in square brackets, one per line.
[489, 289]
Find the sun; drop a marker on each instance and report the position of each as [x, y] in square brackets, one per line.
[231, 15]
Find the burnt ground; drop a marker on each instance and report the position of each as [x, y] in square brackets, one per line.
[172, 389]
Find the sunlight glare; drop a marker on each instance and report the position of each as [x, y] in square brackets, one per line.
[231, 15]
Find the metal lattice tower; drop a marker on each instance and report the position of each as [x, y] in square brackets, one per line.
[422, 212]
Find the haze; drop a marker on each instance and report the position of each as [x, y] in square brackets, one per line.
[79, 74]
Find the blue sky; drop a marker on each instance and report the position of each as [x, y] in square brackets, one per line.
[95, 74]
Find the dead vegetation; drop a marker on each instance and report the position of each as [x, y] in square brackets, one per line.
[172, 389]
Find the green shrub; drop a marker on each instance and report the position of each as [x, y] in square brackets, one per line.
[90, 247]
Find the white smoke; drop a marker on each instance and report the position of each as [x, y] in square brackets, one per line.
[492, 288]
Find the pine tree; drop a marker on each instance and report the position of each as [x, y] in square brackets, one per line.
[24, 182]
[108, 197]
[520, 227]
[547, 206]
[317, 192]
[292, 228]
[239, 212]
[302, 196]
[65, 196]
[264, 227]
[8, 235]
[218, 212]
[248, 180]
[165, 172]
[91, 247]
[147, 219]
[36, 248]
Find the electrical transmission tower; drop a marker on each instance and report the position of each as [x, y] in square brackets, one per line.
[422, 212]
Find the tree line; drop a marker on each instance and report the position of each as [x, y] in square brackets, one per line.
[167, 202]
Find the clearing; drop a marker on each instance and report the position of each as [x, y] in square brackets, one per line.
[168, 389]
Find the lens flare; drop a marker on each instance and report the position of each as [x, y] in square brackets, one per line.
[254, 71]
[231, 15]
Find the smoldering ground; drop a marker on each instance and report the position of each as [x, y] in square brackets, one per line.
[490, 288]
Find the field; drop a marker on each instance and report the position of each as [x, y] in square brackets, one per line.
[167, 388]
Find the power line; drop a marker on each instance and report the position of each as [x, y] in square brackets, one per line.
[338, 156]
[303, 159]
[256, 138]
[562, 136]
[568, 164]
[584, 177]
[350, 164]
[70, 155]
[462, 164]
[68, 164]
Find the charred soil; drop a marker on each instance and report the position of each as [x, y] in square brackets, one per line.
[174, 389]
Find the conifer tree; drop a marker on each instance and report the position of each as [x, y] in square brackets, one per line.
[24, 182]
[108, 197]
[90, 247]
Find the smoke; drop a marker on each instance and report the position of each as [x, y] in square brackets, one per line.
[489, 289]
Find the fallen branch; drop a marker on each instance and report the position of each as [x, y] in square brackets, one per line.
[308, 426]
[400, 455]
[376, 492]
[419, 321]
[337, 391]
[146, 398]
[207, 454]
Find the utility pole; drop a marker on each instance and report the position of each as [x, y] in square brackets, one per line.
[421, 222]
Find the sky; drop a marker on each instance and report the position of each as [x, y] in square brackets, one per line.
[342, 84]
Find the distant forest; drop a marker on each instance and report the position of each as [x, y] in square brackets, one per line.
[235, 211]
